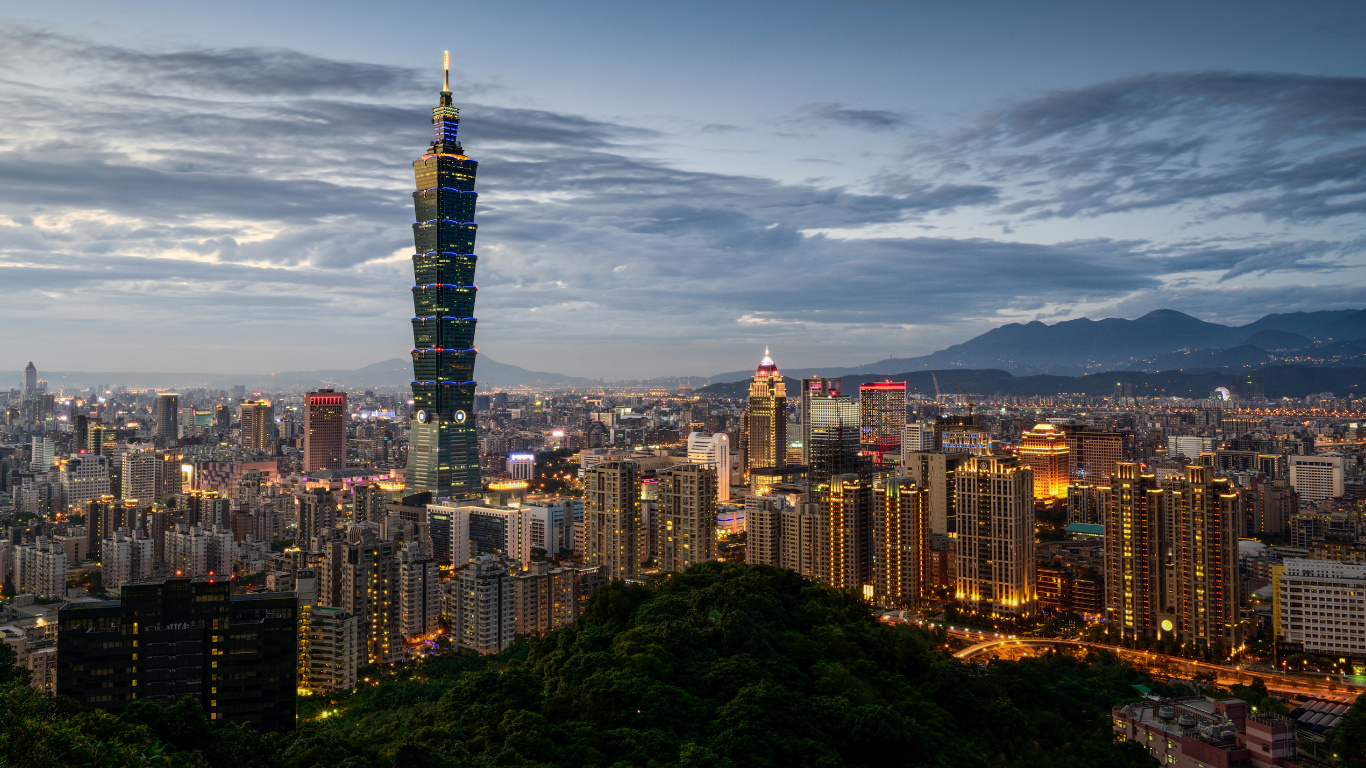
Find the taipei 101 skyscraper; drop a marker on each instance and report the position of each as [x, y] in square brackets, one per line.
[443, 449]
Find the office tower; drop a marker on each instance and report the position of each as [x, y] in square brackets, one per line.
[522, 466]
[1208, 586]
[1316, 477]
[170, 638]
[1136, 554]
[712, 451]
[1094, 451]
[1044, 450]
[845, 533]
[443, 448]
[966, 438]
[30, 381]
[995, 538]
[360, 575]
[418, 590]
[935, 472]
[763, 530]
[40, 569]
[192, 551]
[900, 540]
[814, 387]
[100, 439]
[485, 618]
[44, 453]
[324, 430]
[687, 516]
[1189, 446]
[1311, 610]
[167, 419]
[919, 436]
[80, 430]
[882, 415]
[256, 418]
[124, 557]
[329, 650]
[611, 518]
[766, 418]
[833, 447]
[84, 479]
[170, 478]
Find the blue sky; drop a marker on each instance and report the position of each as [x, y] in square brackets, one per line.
[666, 187]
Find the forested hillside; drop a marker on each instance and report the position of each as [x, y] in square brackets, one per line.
[725, 665]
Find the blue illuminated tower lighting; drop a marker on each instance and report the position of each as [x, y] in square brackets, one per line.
[443, 449]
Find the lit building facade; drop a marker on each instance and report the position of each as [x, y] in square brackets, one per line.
[833, 448]
[611, 518]
[766, 418]
[1320, 604]
[812, 388]
[712, 451]
[900, 540]
[255, 417]
[1044, 450]
[443, 447]
[995, 570]
[1317, 477]
[324, 430]
[882, 415]
[686, 517]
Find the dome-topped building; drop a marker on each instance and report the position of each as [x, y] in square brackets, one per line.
[765, 444]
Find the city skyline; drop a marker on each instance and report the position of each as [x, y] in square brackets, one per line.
[894, 200]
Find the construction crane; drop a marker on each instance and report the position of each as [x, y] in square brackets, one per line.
[935, 379]
[967, 400]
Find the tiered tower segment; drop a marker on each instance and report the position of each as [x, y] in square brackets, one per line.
[443, 449]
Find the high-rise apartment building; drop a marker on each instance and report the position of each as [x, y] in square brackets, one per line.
[167, 418]
[995, 538]
[547, 597]
[39, 568]
[170, 638]
[418, 593]
[443, 448]
[686, 521]
[324, 430]
[1137, 553]
[42, 455]
[485, 618]
[763, 530]
[192, 551]
[919, 436]
[1208, 585]
[882, 415]
[611, 518]
[329, 653]
[833, 445]
[900, 540]
[360, 574]
[934, 471]
[139, 476]
[766, 418]
[83, 479]
[811, 388]
[1172, 557]
[1317, 477]
[845, 533]
[256, 418]
[712, 451]
[126, 557]
[1044, 450]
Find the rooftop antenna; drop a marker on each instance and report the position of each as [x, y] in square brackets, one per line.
[446, 67]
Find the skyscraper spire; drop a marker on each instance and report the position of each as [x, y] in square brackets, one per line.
[446, 66]
[443, 449]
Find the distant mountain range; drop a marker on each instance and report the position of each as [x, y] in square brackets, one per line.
[389, 374]
[1158, 341]
[1280, 381]
[1162, 340]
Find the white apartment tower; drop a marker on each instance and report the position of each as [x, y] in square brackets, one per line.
[712, 451]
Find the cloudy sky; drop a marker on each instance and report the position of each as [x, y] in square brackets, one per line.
[666, 188]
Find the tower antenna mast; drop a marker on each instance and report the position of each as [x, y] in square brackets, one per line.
[446, 68]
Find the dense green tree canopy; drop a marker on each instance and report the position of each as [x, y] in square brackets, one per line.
[724, 665]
